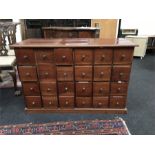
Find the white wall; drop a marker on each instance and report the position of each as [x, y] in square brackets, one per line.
[18, 32]
[144, 26]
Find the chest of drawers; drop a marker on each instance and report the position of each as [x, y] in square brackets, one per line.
[75, 75]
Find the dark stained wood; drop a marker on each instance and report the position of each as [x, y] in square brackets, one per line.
[50, 102]
[117, 101]
[100, 102]
[48, 88]
[33, 101]
[83, 102]
[66, 101]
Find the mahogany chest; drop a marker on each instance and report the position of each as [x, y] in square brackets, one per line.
[75, 75]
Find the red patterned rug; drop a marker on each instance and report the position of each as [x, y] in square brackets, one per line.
[87, 127]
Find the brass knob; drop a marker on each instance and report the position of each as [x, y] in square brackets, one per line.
[33, 103]
[63, 57]
[101, 90]
[83, 102]
[102, 73]
[118, 89]
[117, 103]
[25, 56]
[44, 56]
[48, 89]
[83, 74]
[65, 74]
[50, 102]
[66, 88]
[83, 57]
[123, 56]
[99, 103]
[121, 74]
[66, 102]
[46, 73]
[31, 89]
[102, 57]
[83, 89]
[27, 74]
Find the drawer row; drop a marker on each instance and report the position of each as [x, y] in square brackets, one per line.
[79, 89]
[80, 102]
[49, 72]
[69, 56]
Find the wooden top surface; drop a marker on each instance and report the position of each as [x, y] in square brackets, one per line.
[76, 42]
[71, 28]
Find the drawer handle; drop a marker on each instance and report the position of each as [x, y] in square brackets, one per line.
[66, 102]
[83, 74]
[27, 74]
[102, 57]
[25, 57]
[33, 103]
[44, 56]
[83, 89]
[46, 73]
[118, 89]
[31, 88]
[121, 74]
[117, 103]
[101, 90]
[66, 89]
[65, 74]
[123, 57]
[48, 89]
[63, 57]
[83, 57]
[102, 73]
[83, 102]
[99, 103]
[50, 102]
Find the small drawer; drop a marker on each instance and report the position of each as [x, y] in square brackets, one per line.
[27, 73]
[83, 56]
[119, 88]
[31, 89]
[50, 102]
[44, 56]
[33, 102]
[100, 102]
[100, 88]
[47, 72]
[64, 56]
[66, 88]
[83, 73]
[102, 73]
[25, 56]
[123, 55]
[48, 88]
[83, 102]
[65, 73]
[66, 102]
[86, 34]
[83, 89]
[103, 56]
[121, 73]
[117, 101]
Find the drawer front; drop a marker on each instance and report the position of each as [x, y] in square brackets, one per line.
[119, 88]
[117, 101]
[83, 73]
[31, 89]
[86, 34]
[123, 55]
[44, 56]
[50, 102]
[100, 88]
[33, 102]
[66, 88]
[66, 102]
[65, 73]
[48, 88]
[83, 102]
[64, 56]
[103, 56]
[100, 102]
[47, 72]
[102, 73]
[27, 73]
[121, 73]
[25, 56]
[83, 56]
[83, 89]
